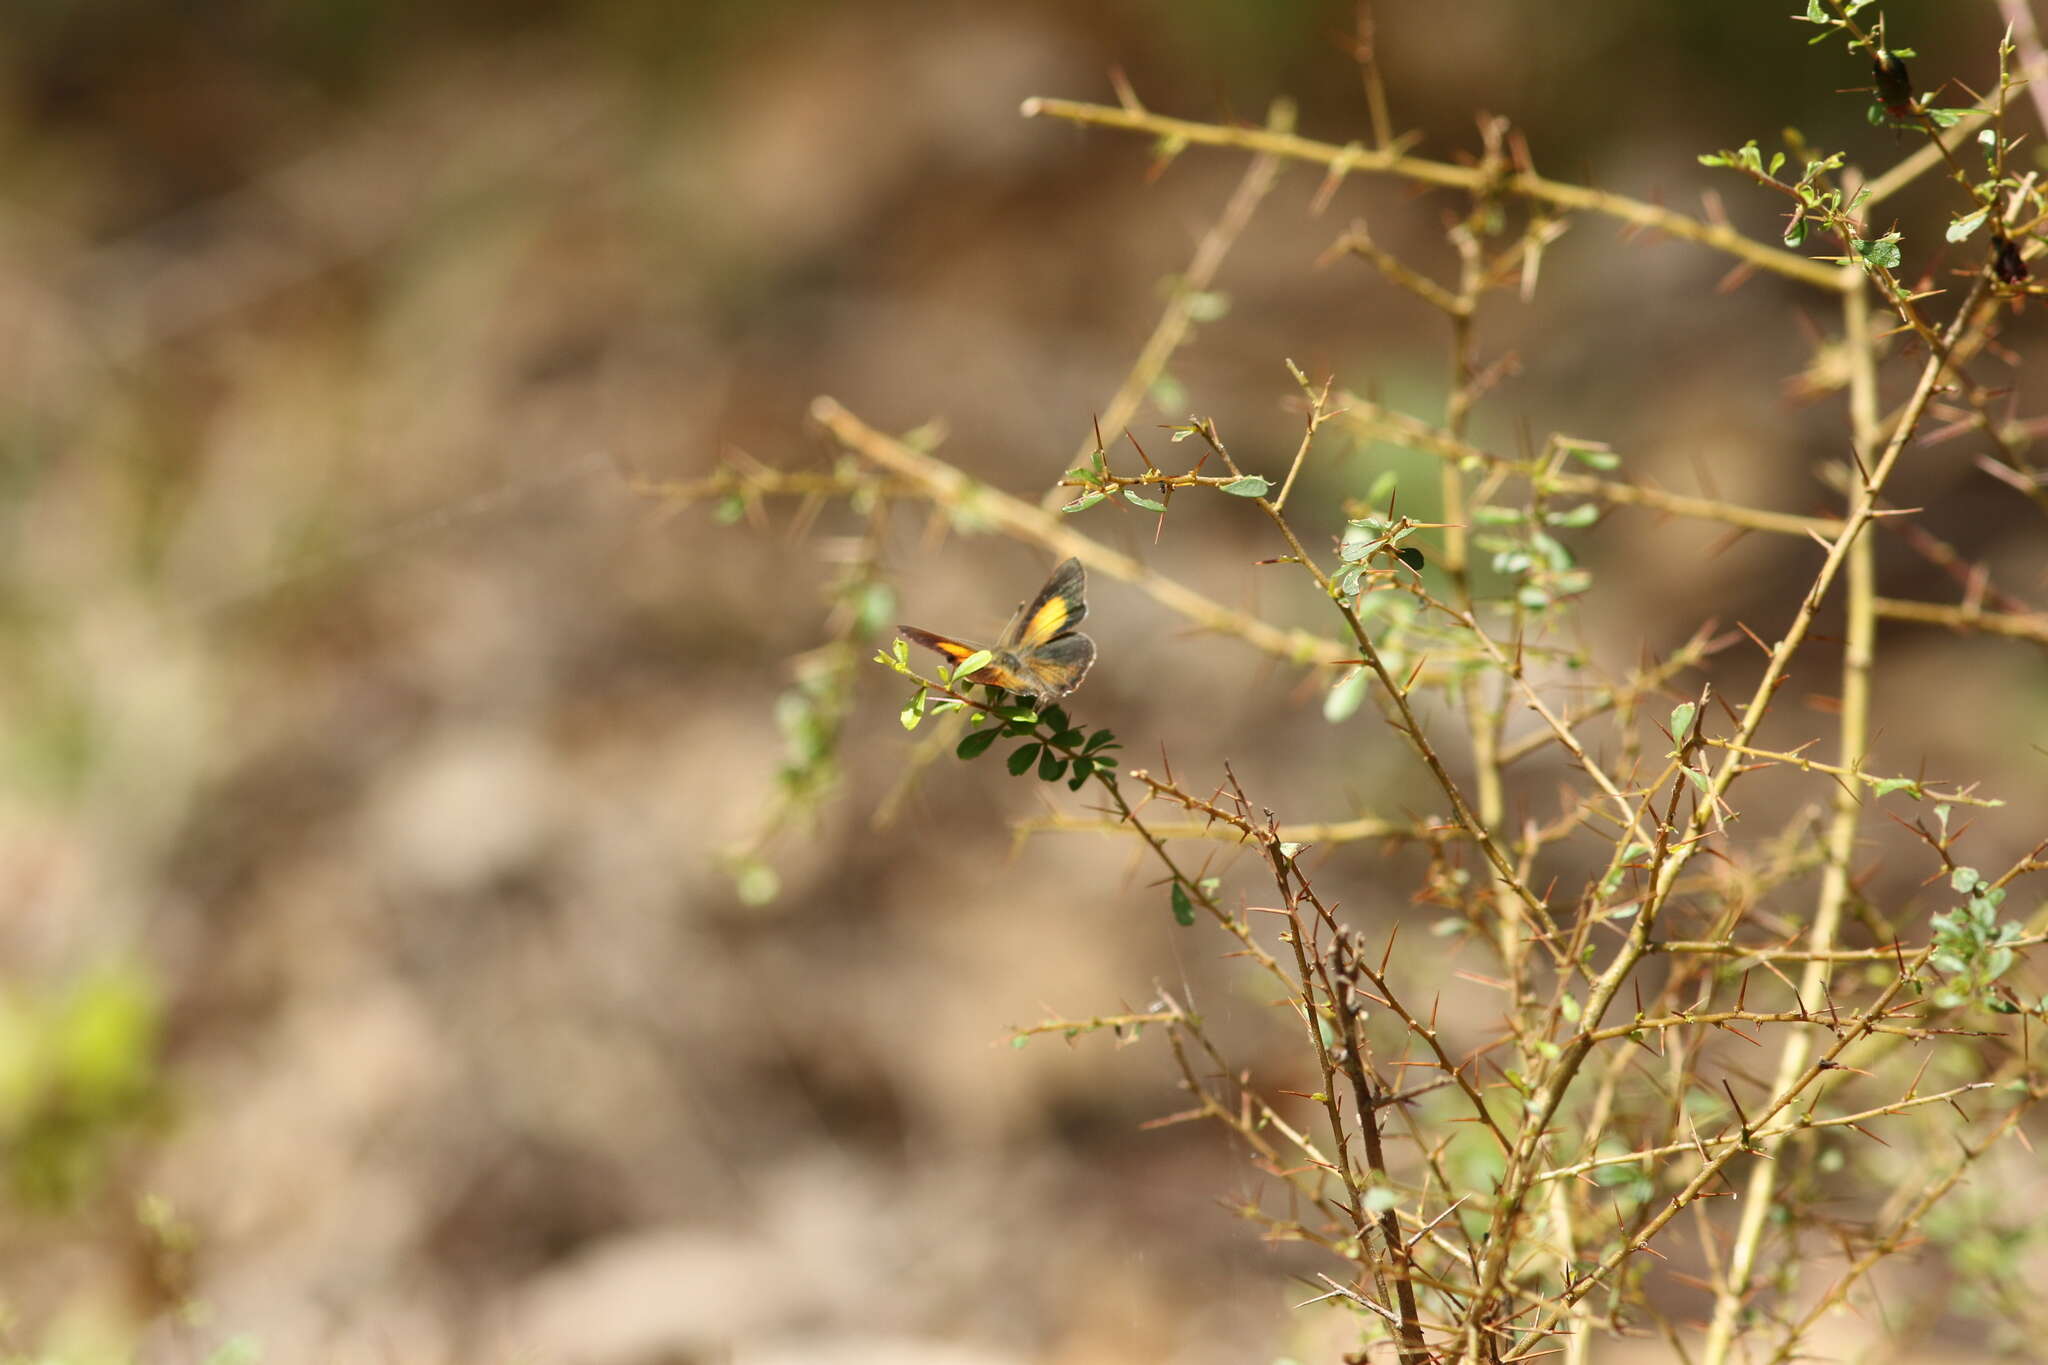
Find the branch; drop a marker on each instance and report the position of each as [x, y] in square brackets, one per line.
[1523, 184]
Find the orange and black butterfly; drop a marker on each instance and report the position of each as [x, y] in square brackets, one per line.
[1040, 655]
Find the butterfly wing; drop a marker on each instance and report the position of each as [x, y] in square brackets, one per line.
[1057, 609]
[1041, 655]
[1057, 667]
[995, 673]
[954, 650]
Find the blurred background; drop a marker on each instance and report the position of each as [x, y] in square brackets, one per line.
[373, 984]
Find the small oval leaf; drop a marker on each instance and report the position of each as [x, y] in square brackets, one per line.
[1681, 721]
[977, 743]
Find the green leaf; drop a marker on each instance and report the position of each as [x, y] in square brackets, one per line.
[1889, 785]
[873, 607]
[1382, 487]
[972, 664]
[1412, 557]
[1882, 252]
[1681, 721]
[977, 743]
[1962, 227]
[1698, 779]
[1593, 457]
[1379, 1199]
[1099, 740]
[755, 882]
[240, 1349]
[1964, 879]
[1499, 516]
[1795, 232]
[1051, 767]
[1137, 499]
[1345, 698]
[1020, 762]
[1084, 502]
[1183, 908]
[1056, 717]
[1250, 486]
[1552, 549]
[1569, 1008]
[1585, 514]
[730, 509]
[913, 710]
[1207, 306]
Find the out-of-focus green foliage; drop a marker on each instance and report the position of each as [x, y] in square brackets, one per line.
[78, 1066]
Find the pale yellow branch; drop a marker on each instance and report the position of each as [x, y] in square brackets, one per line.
[1791, 1125]
[1324, 832]
[957, 492]
[2014, 627]
[1524, 184]
[1411, 433]
[1177, 319]
[1805, 764]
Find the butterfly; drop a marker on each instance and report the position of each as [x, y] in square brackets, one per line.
[1040, 655]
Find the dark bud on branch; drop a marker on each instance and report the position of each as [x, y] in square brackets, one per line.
[1894, 86]
[2006, 262]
